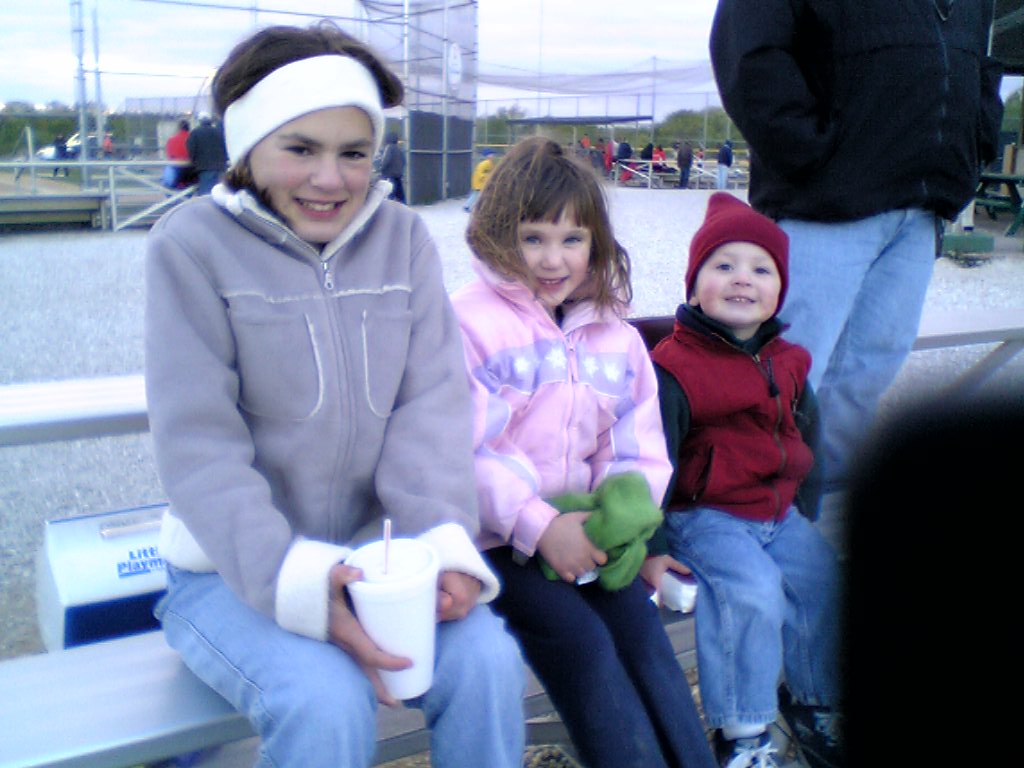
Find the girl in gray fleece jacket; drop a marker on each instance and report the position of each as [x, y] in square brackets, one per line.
[304, 379]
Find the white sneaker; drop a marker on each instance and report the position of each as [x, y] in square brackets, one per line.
[755, 752]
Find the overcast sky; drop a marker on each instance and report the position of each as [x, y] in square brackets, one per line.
[38, 63]
[183, 44]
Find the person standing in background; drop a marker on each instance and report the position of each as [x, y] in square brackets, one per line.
[724, 164]
[209, 155]
[481, 174]
[684, 159]
[60, 152]
[392, 166]
[176, 148]
[819, 90]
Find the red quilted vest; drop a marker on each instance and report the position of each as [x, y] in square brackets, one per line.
[743, 453]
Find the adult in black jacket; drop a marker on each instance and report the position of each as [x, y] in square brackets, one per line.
[868, 122]
[209, 154]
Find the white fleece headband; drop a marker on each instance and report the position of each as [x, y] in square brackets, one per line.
[297, 89]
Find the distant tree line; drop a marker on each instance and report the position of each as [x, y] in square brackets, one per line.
[706, 128]
[59, 120]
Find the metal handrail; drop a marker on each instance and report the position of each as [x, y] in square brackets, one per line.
[115, 180]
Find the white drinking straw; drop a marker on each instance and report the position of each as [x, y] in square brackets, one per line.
[387, 542]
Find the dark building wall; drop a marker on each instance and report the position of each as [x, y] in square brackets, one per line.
[427, 157]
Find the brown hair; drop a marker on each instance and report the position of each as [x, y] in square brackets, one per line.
[537, 181]
[257, 56]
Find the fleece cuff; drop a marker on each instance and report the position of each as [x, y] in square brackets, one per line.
[458, 553]
[179, 548]
[303, 587]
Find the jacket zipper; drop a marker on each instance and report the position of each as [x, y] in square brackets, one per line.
[773, 390]
[328, 276]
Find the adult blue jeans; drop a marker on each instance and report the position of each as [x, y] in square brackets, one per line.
[767, 608]
[856, 290]
[207, 180]
[312, 705]
[608, 666]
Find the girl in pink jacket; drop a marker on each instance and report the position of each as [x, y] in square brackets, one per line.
[565, 398]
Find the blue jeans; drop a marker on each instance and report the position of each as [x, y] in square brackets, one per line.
[608, 666]
[207, 180]
[767, 606]
[312, 705]
[855, 298]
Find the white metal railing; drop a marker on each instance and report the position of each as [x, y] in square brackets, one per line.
[121, 185]
[702, 174]
[56, 411]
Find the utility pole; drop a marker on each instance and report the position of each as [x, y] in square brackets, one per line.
[100, 117]
[78, 44]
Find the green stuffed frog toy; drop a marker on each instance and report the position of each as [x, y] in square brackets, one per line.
[623, 516]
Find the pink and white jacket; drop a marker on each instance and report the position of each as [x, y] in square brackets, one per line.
[556, 410]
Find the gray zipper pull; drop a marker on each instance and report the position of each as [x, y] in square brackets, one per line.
[328, 277]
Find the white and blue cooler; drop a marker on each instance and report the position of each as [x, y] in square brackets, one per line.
[99, 576]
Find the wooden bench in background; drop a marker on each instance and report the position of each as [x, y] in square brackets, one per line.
[998, 192]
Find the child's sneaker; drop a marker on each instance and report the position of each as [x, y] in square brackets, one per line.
[755, 752]
[817, 732]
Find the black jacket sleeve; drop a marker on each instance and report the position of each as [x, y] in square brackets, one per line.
[675, 419]
[808, 495]
[778, 102]
[990, 116]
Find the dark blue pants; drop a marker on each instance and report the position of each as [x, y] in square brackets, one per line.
[608, 666]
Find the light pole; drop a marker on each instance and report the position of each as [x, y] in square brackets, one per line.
[78, 43]
[100, 120]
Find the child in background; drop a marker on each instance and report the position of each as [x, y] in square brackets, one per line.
[736, 405]
[481, 173]
[565, 402]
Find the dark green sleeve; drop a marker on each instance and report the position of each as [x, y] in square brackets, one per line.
[675, 419]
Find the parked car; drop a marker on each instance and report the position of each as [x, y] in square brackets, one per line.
[75, 146]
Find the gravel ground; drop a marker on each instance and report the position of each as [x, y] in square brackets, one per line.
[72, 302]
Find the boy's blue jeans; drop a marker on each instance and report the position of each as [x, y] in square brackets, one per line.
[854, 302]
[767, 609]
[312, 705]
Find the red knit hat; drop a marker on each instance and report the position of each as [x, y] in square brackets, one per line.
[728, 220]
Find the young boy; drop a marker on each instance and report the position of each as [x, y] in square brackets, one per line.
[734, 402]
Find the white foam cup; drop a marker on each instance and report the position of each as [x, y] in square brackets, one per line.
[397, 609]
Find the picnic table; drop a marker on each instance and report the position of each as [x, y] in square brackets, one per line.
[1001, 192]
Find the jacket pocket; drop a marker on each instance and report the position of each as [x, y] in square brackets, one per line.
[385, 351]
[279, 367]
[695, 472]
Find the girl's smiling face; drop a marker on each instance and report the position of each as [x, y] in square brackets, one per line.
[738, 285]
[557, 255]
[315, 170]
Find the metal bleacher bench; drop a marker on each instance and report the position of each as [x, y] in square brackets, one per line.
[131, 701]
[99, 407]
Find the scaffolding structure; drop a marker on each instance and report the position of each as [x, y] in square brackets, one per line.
[433, 44]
